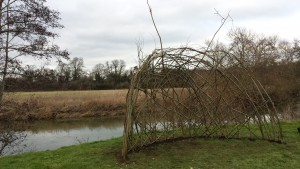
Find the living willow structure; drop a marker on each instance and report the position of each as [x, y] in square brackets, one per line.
[182, 93]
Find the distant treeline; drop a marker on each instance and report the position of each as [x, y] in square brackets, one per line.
[70, 76]
[281, 81]
[275, 63]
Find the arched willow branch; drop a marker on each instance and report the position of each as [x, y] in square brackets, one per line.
[196, 94]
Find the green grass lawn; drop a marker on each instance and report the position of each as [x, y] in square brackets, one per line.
[190, 153]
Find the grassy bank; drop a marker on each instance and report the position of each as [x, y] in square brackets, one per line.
[191, 153]
[64, 104]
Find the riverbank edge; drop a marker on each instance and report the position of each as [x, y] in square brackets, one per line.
[107, 154]
[27, 106]
[24, 112]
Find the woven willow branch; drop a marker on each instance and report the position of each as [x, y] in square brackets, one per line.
[189, 93]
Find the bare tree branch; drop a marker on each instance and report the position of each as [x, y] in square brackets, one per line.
[160, 40]
[223, 21]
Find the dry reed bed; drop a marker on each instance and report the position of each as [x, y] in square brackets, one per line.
[64, 104]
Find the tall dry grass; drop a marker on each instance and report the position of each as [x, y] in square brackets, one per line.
[66, 104]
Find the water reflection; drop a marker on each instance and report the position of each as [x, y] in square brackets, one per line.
[66, 125]
[49, 135]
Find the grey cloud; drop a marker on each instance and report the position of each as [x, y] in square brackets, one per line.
[98, 30]
[268, 11]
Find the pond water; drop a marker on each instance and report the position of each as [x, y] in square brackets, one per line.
[49, 135]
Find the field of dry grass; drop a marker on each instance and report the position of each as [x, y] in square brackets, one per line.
[64, 104]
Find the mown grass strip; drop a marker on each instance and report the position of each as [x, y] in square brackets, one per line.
[189, 153]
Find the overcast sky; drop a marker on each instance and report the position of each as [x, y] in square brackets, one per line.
[103, 30]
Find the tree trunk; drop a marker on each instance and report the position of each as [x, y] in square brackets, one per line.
[1, 84]
[6, 53]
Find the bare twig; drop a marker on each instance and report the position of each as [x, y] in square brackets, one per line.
[139, 46]
[194, 97]
[150, 10]
[160, 40]
[223, 21]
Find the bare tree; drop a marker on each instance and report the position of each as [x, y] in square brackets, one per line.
[114, 70]
[289, 52]
[108, 68]
[63, 72]
[253, 49]
[26, 28]
[99, 72]
[241, 43]
[115, 66]
[76, 66]
[118, 66]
